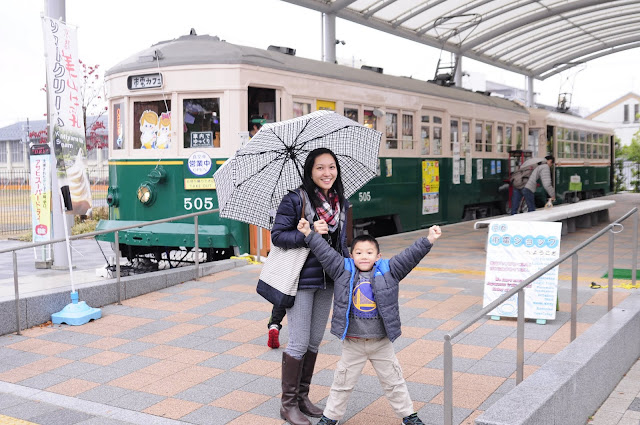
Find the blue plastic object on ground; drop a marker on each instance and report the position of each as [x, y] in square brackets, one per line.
[76, 313]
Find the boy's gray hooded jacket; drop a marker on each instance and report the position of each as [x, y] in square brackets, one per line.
[386, 277]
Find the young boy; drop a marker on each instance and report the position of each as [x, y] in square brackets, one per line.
[366, 317]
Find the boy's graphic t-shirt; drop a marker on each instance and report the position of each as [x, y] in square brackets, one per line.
[364, 320]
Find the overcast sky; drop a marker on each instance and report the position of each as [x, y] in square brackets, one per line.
[110, 31]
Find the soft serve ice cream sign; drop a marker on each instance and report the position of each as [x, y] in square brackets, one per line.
[65, 106]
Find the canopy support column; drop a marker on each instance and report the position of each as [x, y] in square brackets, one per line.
[457, 76]
[529, 80]
[329, 30]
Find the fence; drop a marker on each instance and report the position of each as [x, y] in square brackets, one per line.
[611, 229]
[116, 249]
[15, 197]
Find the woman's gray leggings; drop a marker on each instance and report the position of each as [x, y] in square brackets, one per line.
[307, 320]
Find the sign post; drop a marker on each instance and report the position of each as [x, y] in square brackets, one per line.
[515, 251]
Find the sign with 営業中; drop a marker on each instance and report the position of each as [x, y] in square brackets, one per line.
[515, 251]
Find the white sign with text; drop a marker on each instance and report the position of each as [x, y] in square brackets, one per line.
[515, 251]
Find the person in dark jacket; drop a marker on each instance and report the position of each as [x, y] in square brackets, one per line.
[366, 317]
[325, 207]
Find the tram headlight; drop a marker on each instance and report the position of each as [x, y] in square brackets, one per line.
[113, 198]
[146, 193]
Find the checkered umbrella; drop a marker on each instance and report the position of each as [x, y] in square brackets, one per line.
[251, 184]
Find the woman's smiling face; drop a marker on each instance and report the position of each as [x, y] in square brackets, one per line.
[324, 172]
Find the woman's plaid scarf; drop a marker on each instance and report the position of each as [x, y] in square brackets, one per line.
[329, 211]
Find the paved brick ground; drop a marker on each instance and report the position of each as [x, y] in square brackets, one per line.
[196, 352]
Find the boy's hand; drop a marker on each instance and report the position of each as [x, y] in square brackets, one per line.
[321, 227]
[434, 233]
[303, 226]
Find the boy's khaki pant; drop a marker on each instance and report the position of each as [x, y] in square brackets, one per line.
[355, 353]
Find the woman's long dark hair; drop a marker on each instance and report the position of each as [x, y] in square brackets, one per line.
[308, 184]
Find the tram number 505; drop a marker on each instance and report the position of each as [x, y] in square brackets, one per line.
[364, 196]
[198, 203]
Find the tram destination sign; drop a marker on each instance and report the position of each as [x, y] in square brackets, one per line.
[144, 81]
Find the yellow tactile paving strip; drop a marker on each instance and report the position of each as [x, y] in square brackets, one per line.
[6, 420]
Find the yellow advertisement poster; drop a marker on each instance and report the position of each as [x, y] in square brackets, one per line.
[430, 187]
[325, 104]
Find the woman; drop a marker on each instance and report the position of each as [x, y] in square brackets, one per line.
[326, 208]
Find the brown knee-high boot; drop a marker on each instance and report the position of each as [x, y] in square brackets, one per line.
[306, 406]
[291, 371]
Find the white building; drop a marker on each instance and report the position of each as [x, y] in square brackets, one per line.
[623, 114]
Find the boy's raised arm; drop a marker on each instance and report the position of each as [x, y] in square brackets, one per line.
[332, 262]
[400, 265]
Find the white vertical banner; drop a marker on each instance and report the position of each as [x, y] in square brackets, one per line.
[64, 93]
[515, 251]
[40, 183]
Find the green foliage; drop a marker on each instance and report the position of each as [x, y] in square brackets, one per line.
[83, 224]
[618, 178]
[632, 153]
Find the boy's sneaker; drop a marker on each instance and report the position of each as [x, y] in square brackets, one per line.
[326, 421]
[274, 335]
[412, 419]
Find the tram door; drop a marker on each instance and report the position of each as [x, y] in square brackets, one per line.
[261, 104]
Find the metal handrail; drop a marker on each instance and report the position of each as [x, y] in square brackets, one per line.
[117, 250]
[519, 289]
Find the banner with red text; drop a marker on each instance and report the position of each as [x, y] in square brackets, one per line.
[40, 182]
[515, 251]
[64, 94]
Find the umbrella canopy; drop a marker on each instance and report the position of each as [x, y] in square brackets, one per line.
[251, 184]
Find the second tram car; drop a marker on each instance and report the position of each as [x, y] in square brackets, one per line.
[180, 108]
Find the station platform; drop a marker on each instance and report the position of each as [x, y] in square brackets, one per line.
[196, 352]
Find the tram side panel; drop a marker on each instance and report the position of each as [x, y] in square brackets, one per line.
[145, 190]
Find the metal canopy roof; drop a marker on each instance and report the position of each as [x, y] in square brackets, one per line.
[535, 38]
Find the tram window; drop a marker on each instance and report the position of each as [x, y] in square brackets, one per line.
[453, 135]
[154, 120]
[478, 137]
[437, 139]
[301, 108]
[508, 131]
[201, 122]
[582, 152]
[351, 113]
[606, 151]
[424, 135]
[583, 136]
[370, 120]
[575, 150]
[500, 138]
[407, 131]
[118, 125]
[464, 145]
[567, 149]
[519, 133]
[392, 130]
[488, 137]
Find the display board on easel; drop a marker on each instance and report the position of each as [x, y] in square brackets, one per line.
[515, 251]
